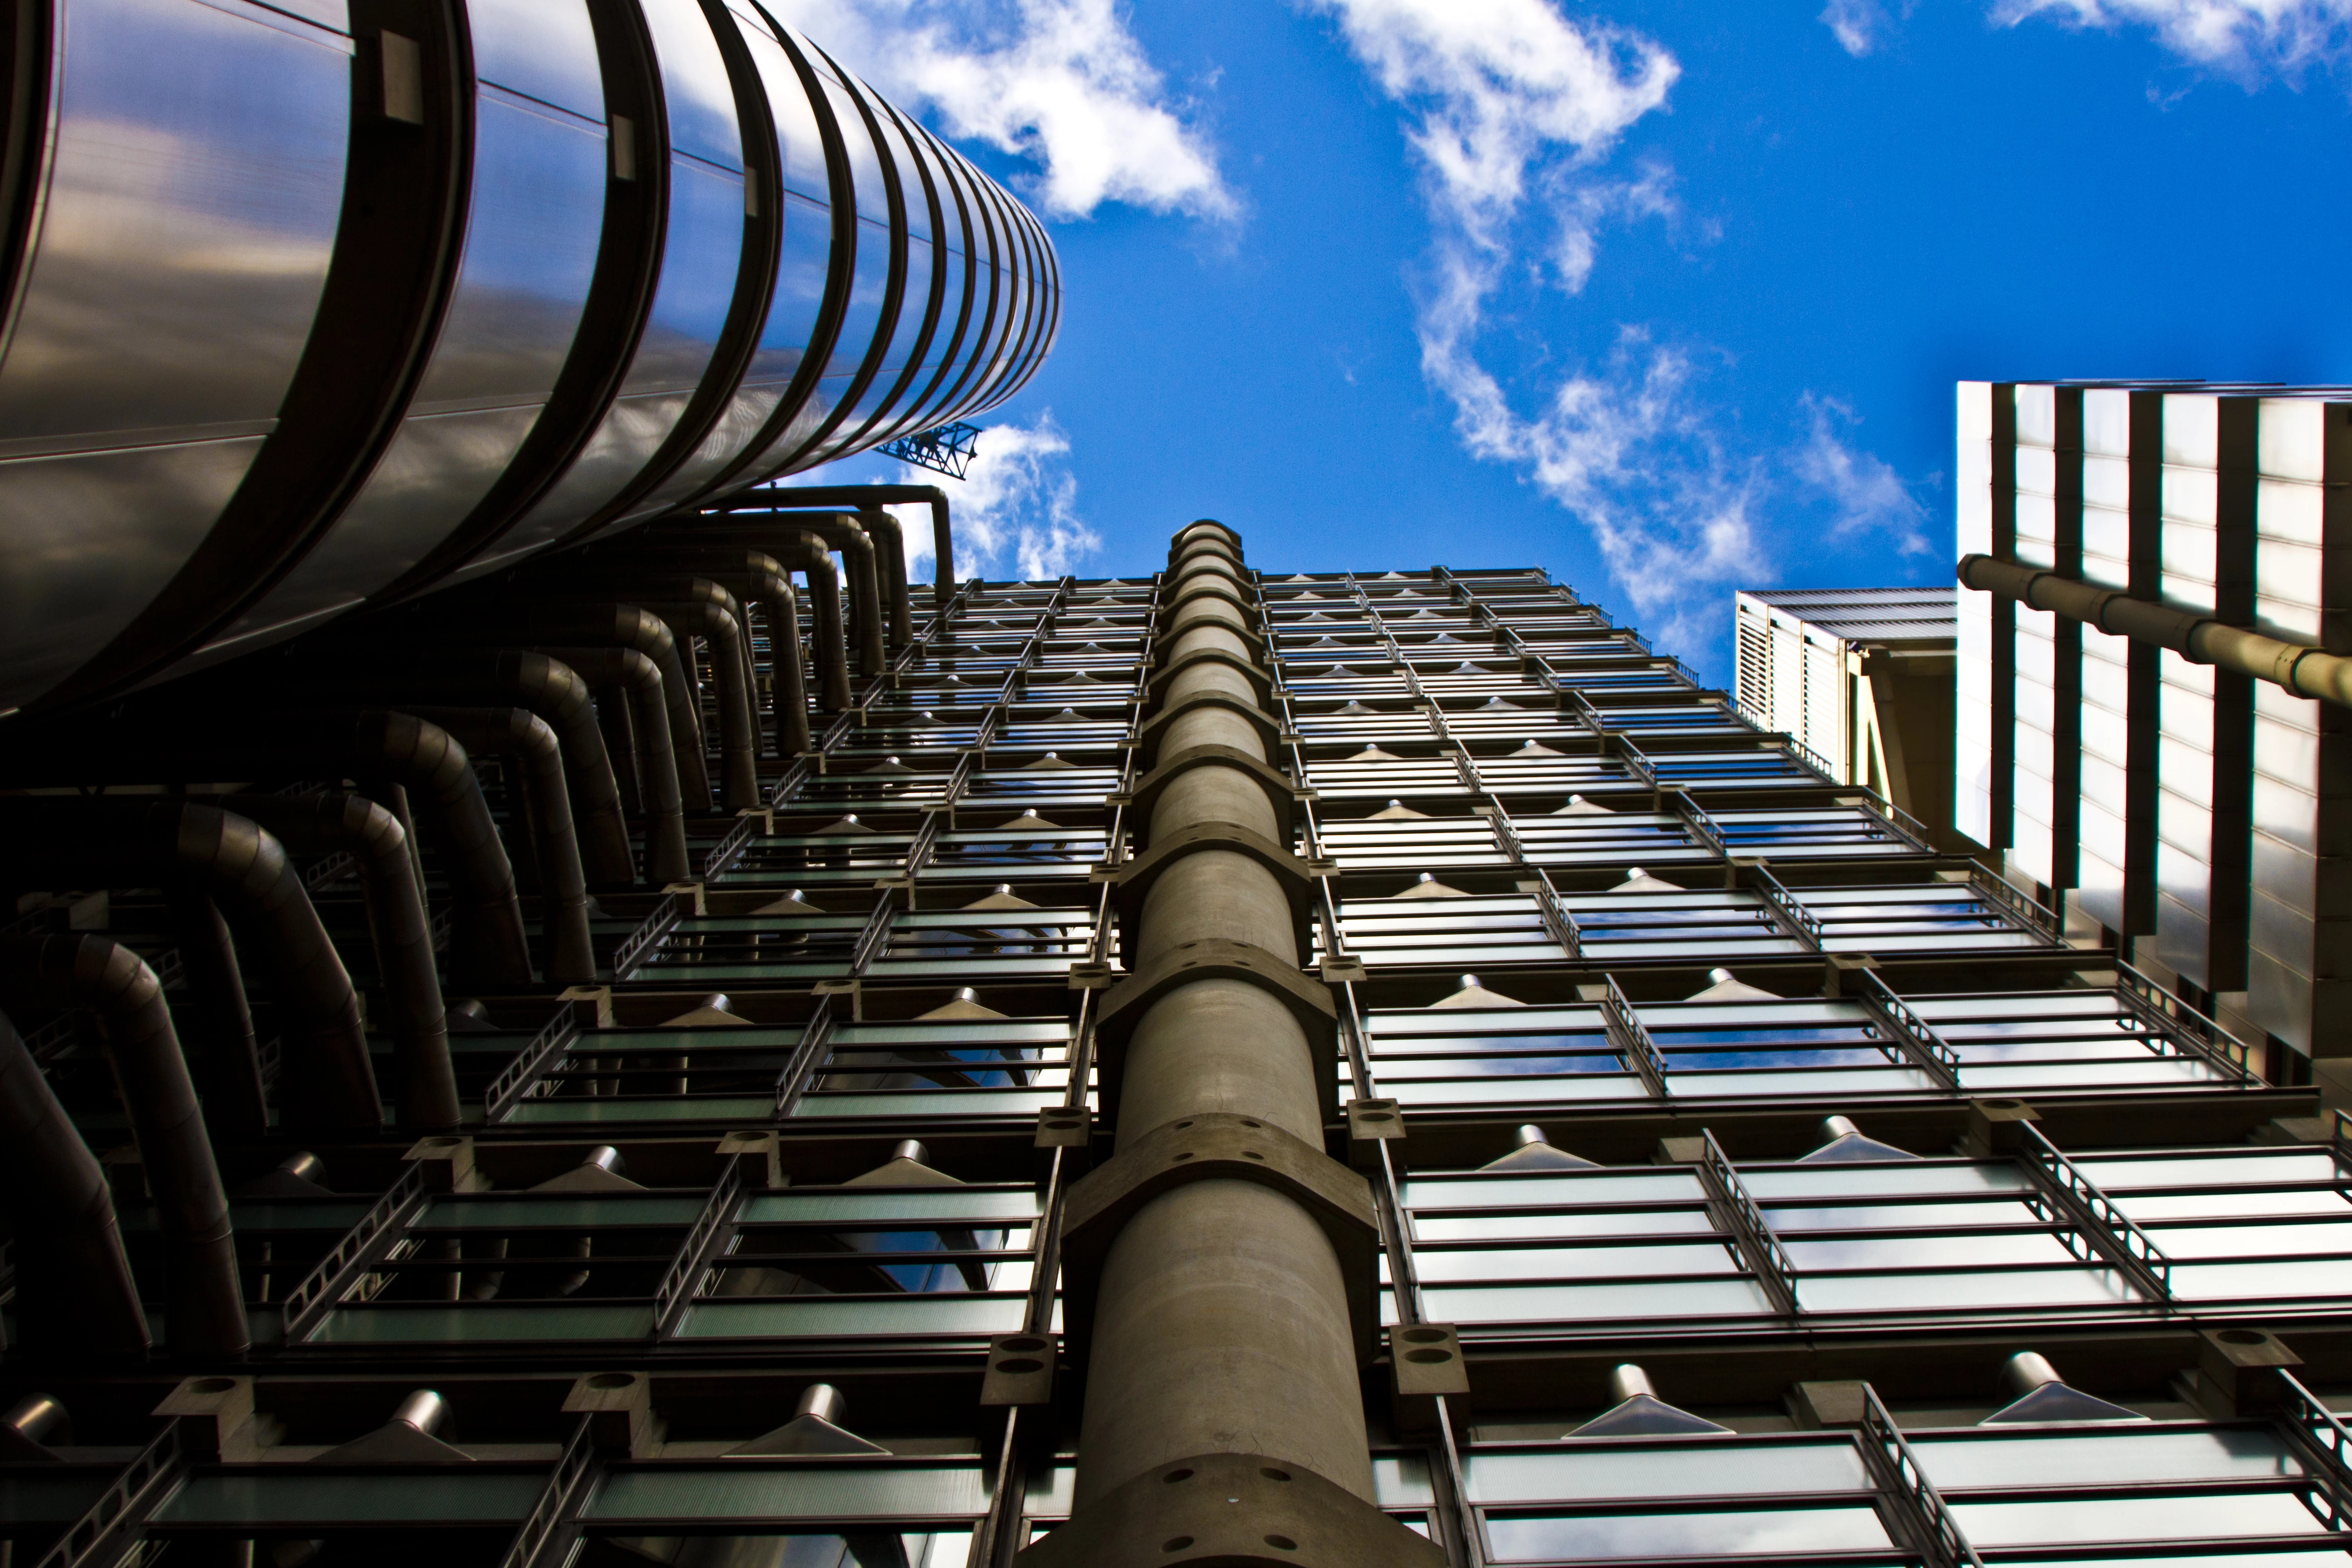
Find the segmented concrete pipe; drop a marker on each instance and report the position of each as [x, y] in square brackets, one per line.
[1222, 1321]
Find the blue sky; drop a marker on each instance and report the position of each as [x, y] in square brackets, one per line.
[1666, 296]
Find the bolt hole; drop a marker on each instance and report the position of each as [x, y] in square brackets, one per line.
[1181, 1126]
[1253, 1155]
[1426, 1336]
[212, 1386]
[1374, 1116]
[1270, 1473]
[611, 1380]
[1177, 1544]
[1282, 1543]
[1173, 1476]
[1020, 1364]
[1253, 1126]
[1185, 1155]
[2002, 1104]
[2243, 1337]
[1429, 1358]
[1022, 1343]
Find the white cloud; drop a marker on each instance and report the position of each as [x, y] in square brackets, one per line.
[2245, 37]
[1061, 82]
[1866, 493]
[1860, 25]
[1015, 515]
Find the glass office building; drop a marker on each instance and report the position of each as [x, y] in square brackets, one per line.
[1696, 1167]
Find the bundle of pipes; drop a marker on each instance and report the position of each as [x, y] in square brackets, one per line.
[583, 676]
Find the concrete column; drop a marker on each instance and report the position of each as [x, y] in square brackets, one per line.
[1222, 1324]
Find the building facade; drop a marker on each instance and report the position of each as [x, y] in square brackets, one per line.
[1235, 1066]
[1859, 677]
[2178, 804]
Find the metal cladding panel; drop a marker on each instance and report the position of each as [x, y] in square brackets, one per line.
[181, 230]
[537, 212]
[1974, 763]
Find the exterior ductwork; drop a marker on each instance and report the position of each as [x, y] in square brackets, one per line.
[315, 824]
[525, 738]
[235, 1098]
[74, 1289]
[1218, 1305]
[331, 1083]
[547, 687]
[870, 497]
[204, 1307]
[653, 763]
[753, 576]
[797, 550]
[713, 613]
[858, 560]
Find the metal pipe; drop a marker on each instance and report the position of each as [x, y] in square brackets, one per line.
[569, 957]
[600, 623]
[755, 576]
[713, 611]
[2299, 667]
[864, 497]
[858, 560]
[330, 1082]
[204, 1305]
[890, 556]
[74, 1287]
[1222, 1320]
[414, 1015]
[640, 679]
[547, 687]
[797, 550]
[235, 1098]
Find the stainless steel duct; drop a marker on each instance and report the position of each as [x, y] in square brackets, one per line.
[866, 497]
[204, 1305]
[796, 549]
[858, 560]
[403, 936]
[754, 576]
[73, 1288]
[331, 1083]
[654, 763]
[235, 1098]
[524, 739]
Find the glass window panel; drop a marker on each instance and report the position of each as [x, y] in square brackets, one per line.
[1596, 1469]
[2164, 1519]
[1731, 1533]
[2141, 1455]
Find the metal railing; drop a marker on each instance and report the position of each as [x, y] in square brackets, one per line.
[2184, 1027]
[558, 1501]
[1917, 1036]
[1633, 1036]
[646, 941]
[729, 849]
[876, 935]
[96, 1538]
[1902, 1478]
[523, 1075]
[1558, 918]
[362, 1247]
[791, 1082]
[1759, 1249]
[686, 1270]
[2322, 1436]
[342, 863]
[2098, 1219]
[1804, 924]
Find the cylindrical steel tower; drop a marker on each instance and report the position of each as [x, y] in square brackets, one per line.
[328, 301]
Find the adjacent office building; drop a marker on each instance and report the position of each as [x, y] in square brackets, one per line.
[1860, 679]
[582, 1022]
[2181, 805]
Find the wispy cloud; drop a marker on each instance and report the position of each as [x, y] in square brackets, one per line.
[1860, 25]
[1864, 494]
[1062, 83]
[2247, 38]
[1016, 513]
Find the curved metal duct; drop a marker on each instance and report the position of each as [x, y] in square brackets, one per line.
[794, 550]
[639, 679]
[524, 737]
[377, 747]
[427, 1092]
[858, 563]
[235, 1098]
[330, 1082]
[400, 298]
[868, 497]
[204, 1306]
[73, 1281]
[755, 577]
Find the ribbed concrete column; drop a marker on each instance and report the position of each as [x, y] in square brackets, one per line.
[1220, 1322]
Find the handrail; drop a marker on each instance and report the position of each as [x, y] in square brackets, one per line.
[2195, 1033]
[333, 868]
[564, 1484]
[1788, 907]
[362, 1247]
[2031, 914]
[1927, 1049]
[94, 1540]
[523, 1074]
[693, 1256]
[1899, 1473]
[1558, 917]
[2323, 1437]
[643, 943]
[1626, 1026]
[790, 1082]
[1751, 1237]
[1696, 817]
[729, 849]
[2128, 1244]
[1637, 761]
[871, 941]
